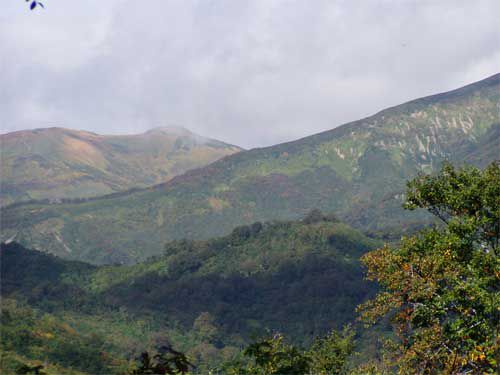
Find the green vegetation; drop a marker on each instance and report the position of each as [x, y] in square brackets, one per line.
[59, 163]
[14, 364]
[293, 283]
[41, 336]
[167, 361]
[327, 355]
[259, 276]
[357, 170]
[441, 288]
[207, 298]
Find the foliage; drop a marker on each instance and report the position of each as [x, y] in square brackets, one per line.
[42, 337]
[316, 216]
[327, 355]
[287, 276]
[166, 361]
[207, 297]
[13, 364]
[442, 287]
[27, 369]
[273, 356]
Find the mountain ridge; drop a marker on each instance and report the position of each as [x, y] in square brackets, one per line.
[56, 163]
[339, 130]
[357, 170]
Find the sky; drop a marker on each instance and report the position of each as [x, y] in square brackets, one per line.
[248, 72]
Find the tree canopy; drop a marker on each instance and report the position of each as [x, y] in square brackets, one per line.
[441, 287]
[327, 355]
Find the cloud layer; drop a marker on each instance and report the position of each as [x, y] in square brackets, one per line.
[253, 73]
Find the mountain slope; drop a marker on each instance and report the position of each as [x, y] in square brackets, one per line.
[207, 297]
[57, 163]
[287, 276]
[357, 170]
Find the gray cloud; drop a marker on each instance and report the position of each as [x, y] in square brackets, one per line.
[252, 73]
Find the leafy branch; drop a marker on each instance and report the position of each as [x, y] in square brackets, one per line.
[34, 4]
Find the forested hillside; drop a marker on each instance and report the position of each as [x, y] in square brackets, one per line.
[208, 298]
[301, 280]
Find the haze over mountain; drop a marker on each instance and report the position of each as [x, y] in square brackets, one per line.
[57, 163]
[357, 170]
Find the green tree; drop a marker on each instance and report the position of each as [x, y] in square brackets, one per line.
[269, 356]
[327, 355]
[166, 362]
[441, 287]
[27, 369]
[205, 327]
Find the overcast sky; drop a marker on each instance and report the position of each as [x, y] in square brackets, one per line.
[252, 73]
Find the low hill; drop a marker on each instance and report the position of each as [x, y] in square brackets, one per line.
[286, 276]
[207, 298]
[358, 170]
[58, 163]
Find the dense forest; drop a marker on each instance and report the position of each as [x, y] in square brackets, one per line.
[436, 305]
[210, 298]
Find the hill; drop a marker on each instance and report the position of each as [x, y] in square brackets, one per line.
[286, 276]
[58, 163]
[207, 298]
[358, 170]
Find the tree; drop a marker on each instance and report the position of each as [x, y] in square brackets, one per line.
[166, 362]
[316, 216]
[273, 356]
[327, 355]
[441, 287]
[205, 327]
[27, 369]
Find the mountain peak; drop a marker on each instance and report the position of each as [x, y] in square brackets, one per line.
[173, 130]
[82, 164]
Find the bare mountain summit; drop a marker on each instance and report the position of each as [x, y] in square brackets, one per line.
[55, 163]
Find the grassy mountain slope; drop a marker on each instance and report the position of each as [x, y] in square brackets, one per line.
[357, 170]
[60, 163]
[206, 297]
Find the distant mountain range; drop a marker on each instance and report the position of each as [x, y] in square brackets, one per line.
[357, 170]
[58, 163]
